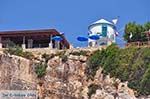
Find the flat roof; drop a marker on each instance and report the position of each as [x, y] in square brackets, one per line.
[29, 31]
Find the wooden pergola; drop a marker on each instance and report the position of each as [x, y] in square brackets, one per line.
[32, 39]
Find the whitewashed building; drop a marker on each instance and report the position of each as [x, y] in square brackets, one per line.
[106, 30]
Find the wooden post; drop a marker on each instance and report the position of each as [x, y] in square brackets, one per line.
[23, 43]
[0, 42]
[58, 44]
[30, 43]
[50, 42]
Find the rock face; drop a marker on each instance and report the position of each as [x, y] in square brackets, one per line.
[63, 80]
[69, 81]
[16, 73]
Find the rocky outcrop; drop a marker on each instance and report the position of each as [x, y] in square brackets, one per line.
[16, 73]
[63, 80]
[69, 81]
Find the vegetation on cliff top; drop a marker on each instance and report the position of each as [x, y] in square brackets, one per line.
[16, 50]
[137, 31]
[128, 64]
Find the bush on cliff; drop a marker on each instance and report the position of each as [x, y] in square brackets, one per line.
[128, 64]
[16, 50]
[47, 57]
[78, 53]
[40, 69]
[93, 64]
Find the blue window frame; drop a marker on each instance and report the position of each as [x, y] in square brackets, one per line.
[104, 30]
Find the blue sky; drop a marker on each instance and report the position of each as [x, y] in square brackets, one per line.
[70, 16]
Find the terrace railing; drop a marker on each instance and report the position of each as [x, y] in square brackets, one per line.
[138, 44]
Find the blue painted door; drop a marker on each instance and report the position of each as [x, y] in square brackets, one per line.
[104, 30]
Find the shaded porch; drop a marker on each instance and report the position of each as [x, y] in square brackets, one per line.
[32, 39]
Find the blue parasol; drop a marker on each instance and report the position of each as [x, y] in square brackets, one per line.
[82, 39]
[57, 38]
[94, 37]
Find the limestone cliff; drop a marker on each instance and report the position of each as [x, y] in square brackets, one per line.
[63, 80]
[16, 73]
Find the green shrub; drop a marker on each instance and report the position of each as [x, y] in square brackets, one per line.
[109, 61]
[61, 54]
[137, 31]
[93, 64]
[145, 82]
[47, 57]
[16, 50]
[40, 70]
[78, 53]
[128, 64]
[27, 55]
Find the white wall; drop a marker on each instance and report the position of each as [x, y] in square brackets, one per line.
[98, 29]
